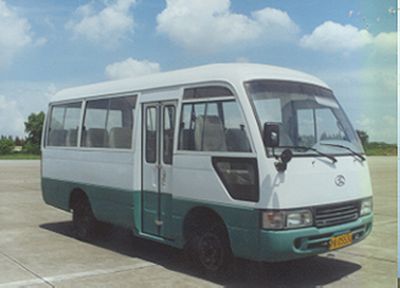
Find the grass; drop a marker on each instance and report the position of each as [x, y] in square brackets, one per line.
[20, 156]
[371, 149]
[380, 149]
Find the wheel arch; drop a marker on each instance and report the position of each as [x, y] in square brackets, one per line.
[201, 216]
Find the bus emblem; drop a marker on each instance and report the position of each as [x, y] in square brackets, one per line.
[340, 180]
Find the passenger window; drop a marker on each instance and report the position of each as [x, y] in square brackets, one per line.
[151, 134]
[94, 132]
[120, 122]
[213, 126]
[109, 122]
[168, 133]
[64, 125]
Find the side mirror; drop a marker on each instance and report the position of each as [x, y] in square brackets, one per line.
[271, 134]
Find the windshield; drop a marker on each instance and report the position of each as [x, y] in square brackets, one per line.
[307, 115]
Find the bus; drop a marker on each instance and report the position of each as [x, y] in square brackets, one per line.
[223, 160]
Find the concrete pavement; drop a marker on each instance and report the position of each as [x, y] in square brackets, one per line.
[37, 248]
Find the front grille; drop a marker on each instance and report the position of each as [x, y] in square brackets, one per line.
[336, 214]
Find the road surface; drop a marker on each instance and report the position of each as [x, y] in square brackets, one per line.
[37, 248]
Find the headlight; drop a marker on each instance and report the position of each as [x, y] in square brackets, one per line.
[276, 220]
[366, 207]
[296, 219]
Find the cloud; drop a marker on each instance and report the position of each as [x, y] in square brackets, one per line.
[11, 119]
[386, 42]
[368, 95]
[209, 25]
[15, 33]
[40, 42]
[18, 99]
[108, 25]
[131, 68]
[334, 37]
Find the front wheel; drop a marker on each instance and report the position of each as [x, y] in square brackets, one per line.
[211, 250]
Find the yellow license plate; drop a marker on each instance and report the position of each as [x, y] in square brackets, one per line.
[340, 241]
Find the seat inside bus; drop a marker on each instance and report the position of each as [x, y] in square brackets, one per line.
[96, 137]
[120, 137]
[213, 136]
[57, 137]
[72, 137]
[236, 140]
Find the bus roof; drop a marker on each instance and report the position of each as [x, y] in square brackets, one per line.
[229, 72]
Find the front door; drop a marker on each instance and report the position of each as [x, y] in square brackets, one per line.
[158, 141]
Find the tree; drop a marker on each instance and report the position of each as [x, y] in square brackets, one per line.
[34, 127]
[363, 137]
[18, 141]
[6, 145]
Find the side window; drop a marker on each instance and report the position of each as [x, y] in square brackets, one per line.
[213, 126]
[109, 123]
[168, 133]
[151, 134]
[64, 125]
[120, 122]
[94, 127]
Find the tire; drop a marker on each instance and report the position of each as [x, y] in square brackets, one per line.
[84, 222]
[210, 250]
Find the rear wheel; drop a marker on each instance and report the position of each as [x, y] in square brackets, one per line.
[83, 219]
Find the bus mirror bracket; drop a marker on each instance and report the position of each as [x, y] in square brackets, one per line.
[281, 164]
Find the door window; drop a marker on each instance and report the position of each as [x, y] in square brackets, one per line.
[151, 134]
[168, 133]
[213, 126]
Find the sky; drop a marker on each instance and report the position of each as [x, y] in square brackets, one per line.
[48, 45]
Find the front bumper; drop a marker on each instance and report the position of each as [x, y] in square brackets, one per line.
[297, 243]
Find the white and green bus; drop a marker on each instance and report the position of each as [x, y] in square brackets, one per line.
[245, 160]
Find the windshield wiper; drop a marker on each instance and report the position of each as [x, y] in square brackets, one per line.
[347, 148]
[306, 148]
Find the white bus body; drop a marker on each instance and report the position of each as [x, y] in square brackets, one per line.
[261, 158]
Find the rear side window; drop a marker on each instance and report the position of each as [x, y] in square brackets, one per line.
[213, 126]
[64, 125]
[108, 123]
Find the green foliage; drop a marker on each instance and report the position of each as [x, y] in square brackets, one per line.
[30, 148]
[34, 127]
[6, 145]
